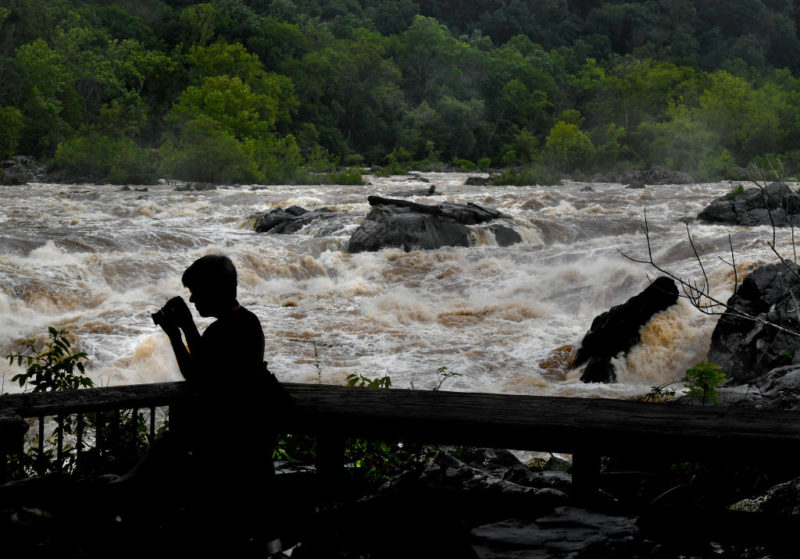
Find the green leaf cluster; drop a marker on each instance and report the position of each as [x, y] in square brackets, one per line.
[53, 366]
[703, 380]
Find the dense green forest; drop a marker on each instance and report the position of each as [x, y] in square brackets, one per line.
[283, 90]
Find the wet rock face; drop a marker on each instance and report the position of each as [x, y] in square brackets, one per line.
[411, 226]
[754, 206]
[289, 220]
[617, 330]
[17, 170]
[747, 350]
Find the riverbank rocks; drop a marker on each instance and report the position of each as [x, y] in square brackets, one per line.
[412, 226]
[644, 177]
[747, 349]
[289, 220]
[17, 170]
[754, 206]
[617, 330]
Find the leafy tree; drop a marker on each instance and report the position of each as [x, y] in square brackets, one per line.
[48, 100]
[230, 102]
[207, 151]
[568, 147]
[11, 123]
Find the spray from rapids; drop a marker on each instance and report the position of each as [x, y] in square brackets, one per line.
[98, 261]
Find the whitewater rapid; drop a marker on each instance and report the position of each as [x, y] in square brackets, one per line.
[97, 261]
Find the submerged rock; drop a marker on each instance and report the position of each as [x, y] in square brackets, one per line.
[617, 330]
[746, 349]
[775, 204]
[412, 226]
[195, 187]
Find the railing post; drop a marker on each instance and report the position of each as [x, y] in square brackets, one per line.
[585, 473]
[330, 457]
[12, 438]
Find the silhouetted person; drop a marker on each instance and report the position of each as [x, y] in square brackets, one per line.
[224, 424]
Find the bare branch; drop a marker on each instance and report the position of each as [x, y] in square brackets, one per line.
[700, 297]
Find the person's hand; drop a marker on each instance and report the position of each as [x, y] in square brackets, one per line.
[178, 311]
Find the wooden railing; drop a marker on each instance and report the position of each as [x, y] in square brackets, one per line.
[587, 428]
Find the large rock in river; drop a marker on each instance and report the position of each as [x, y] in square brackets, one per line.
[617, 330]
[412, 226]
[289, 220]
[747, 349]
[754, 206]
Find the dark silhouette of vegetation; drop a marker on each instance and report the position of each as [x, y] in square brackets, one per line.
[246, 90]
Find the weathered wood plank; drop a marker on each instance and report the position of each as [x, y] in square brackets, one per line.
[93, 399]
[497, 420]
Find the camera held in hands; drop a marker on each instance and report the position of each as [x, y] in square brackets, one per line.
[165, 315]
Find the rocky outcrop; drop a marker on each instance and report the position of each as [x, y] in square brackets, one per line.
[775, 204]
[617, 330]
[653, 175]
[747, 349]
[411, 226]
[289, 220]
[430, 191]
[17, 170]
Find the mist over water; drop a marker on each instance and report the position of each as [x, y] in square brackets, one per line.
[97, 261]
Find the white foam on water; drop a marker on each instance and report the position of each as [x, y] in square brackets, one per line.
[100, 261]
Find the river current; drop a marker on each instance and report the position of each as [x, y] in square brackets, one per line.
[98, 261]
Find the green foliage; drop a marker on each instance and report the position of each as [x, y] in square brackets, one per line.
[735, 191]
[557, 86]
[443, 374]
[52, 365]
[527, 176]
[11, 124]
[362, 381]
[101, 158]
[205, 151]
[703, 380]
[568, 147]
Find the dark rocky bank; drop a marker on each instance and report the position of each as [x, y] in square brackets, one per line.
[775, 204]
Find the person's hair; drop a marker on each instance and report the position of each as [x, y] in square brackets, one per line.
[214, 272]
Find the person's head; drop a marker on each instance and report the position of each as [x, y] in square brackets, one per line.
[212, 282]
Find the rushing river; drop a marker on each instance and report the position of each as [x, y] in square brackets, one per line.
[97, 261]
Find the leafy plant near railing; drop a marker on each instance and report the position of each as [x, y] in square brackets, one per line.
[53, 367]
[701, 383]
[703, 380]
[110, 440]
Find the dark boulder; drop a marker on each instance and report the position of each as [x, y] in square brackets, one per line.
[430, 191]
[411, 226]
[289, 220]
[747, 349]
[617, 330]
[754, 206]
[504, 236]
[478, 181]
[17, 170]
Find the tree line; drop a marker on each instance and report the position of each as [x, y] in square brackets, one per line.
[289, 90]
